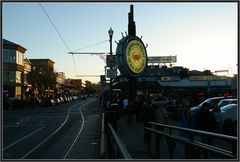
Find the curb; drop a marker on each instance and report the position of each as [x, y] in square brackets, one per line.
[102, 145]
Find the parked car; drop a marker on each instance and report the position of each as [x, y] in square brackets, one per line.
[210, 101]
[52, 102]
[229, 112]
[224, 102]
[61, 99]
[65, 99]
[57, 100]
[160, 100]
[229, 118]
[49, 102]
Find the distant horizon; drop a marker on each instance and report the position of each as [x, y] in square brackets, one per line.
[202, 35]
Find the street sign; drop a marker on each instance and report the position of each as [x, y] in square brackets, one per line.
[168, 78]
[162, 59]
[111, 73]
[110, 61]
[207, 77]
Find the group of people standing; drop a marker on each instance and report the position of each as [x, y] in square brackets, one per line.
[144, 110]
[133, 108]
[209, 119]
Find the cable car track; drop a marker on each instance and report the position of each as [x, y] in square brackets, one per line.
[63, 128]
[68, 130]
[70, 148]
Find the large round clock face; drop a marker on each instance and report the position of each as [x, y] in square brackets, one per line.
[136, 56]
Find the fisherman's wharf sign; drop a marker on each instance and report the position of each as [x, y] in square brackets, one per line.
[136, 56]
[131, 56]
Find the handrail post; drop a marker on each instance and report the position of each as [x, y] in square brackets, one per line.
[119, 144]
[192, 142]
[171, 144]
[157, 137]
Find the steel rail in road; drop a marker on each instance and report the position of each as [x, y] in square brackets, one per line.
[28, 135]
[21, 139]
[52, 135]
[79, 132]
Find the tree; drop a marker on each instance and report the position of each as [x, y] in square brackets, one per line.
[184, 73]
[207, 73]
[43, 77]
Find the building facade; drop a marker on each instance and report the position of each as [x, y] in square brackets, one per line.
[42, 78]
[60, 80]
[73, 87]
[178, 82]
[28, 86]
[13, 70]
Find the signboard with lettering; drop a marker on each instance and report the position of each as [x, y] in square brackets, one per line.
[111, 73]
[207, 77]
[110, 61]
[131, 56]
[162, 59]
[168, 78]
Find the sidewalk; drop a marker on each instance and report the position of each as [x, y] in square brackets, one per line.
[132, 135]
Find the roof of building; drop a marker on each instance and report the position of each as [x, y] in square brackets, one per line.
[35, 60]
[28, 61]
[7, 43]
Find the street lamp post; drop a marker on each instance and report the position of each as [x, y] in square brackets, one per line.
[110, 33]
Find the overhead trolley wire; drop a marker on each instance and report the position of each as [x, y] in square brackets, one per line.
[59, 35]
[91, 45]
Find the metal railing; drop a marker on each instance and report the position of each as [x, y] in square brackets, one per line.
[191, 141]
[115, 147]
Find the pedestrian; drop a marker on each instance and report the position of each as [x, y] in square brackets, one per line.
[218, 118]
[188, 122]
[130, 111]
[230, 128]
[139, 108]
[125, 105]
[161, 114]
[108, 105]
[206, 122]
[161, 117]
[137, 112]
[148, 116]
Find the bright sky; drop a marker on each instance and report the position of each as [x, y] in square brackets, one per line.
[202, 35]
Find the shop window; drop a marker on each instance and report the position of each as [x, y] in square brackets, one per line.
[12, 56]
[5, 76]
[18, 91]
[19, 58]
[9, 76]
[9, 56]
[12, 76]
[18, 76]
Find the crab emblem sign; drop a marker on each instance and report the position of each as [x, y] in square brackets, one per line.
[132, 56]
[136, 56]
